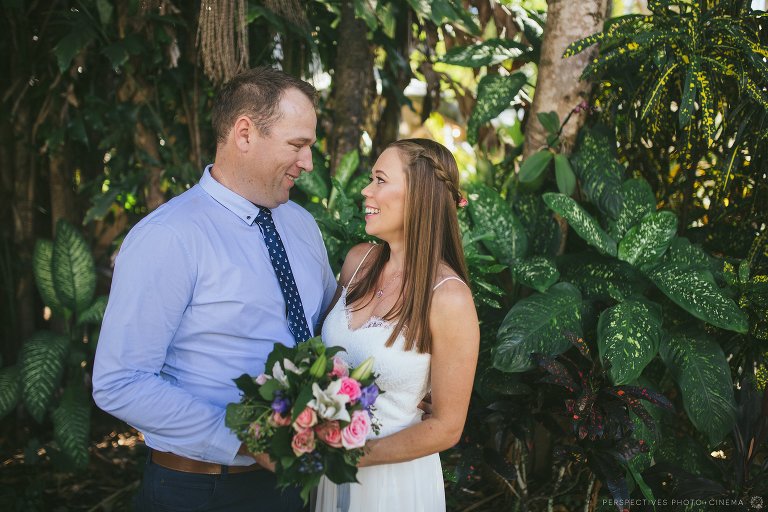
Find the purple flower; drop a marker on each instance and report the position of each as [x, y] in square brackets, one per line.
[280, 404]
[368, 395]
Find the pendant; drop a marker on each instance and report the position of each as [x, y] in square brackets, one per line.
[379, 293]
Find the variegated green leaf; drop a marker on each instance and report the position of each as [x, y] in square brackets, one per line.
[43, 268]
[638, 201]
[540, 226]
[72, 425]
[494, 95]
[95, 312]
[658, 90]
[696, 293]
[342, 174]
[628, 336]
[685, 256]
[646, 242]
[539, 323]
[707, 109]
[536, 272]
[582, 222]
[74, 273]
[688, 100]
[10, 391]
[700, 369]
[595, 163]
[491, 214]
[566, 180]
[534, 165]
[487, 53]
[601, 279]
[41, 365]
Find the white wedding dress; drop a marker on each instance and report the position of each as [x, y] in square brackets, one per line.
[413, 486]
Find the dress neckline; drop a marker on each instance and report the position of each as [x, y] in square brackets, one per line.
[372, 322]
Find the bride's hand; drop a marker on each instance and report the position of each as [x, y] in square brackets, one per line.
[426, 406]
[263, 460]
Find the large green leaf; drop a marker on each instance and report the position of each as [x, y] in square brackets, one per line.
[494, 95]
[536, 272]
[72, 44]
[601, 278]
[72, 424]
[42, 265]
[41, 364]
[534, 165]
[638, 201]
[539, 323]
[646, 242]
[689, 257]
[540, 226]
[695, 292]
[315, 183]
[74, 273]
[566, 180]
[628, 336]
[491, 214]
[95, 312]
[347, 166]
[582, 222]
[600, 174]
[487, 53]
[10, 390]
[699, 367]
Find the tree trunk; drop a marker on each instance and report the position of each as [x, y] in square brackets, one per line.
[24, 225]
[147, 142]
[558, 87]
[352, 85]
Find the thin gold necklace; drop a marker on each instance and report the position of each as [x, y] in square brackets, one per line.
[380, 292]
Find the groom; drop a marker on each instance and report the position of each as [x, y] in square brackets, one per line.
[196, 301]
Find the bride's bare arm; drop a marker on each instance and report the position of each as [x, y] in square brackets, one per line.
[455, 344]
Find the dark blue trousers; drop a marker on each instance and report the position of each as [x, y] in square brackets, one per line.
[166, 490]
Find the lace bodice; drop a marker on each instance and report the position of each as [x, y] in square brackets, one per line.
[403, 375]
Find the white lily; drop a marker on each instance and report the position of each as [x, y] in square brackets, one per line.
[279, 374]
[328, 403]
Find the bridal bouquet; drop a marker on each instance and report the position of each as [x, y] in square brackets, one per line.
[310, 413]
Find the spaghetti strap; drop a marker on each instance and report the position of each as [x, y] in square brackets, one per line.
[359, 265]
[448, 279]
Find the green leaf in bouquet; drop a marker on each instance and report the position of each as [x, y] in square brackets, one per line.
[305, 395]
[247, 385]
[278, 354]
[338, 469]
[281, 443]
[646, 242]
[239, 417]
[267, 390]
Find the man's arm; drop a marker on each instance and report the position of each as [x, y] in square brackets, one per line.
[151, 288]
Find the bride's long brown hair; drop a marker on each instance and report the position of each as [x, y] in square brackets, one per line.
[431, 236]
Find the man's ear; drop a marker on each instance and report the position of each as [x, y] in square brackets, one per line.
[243, 132]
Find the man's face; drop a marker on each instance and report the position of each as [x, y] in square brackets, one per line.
[277, 159]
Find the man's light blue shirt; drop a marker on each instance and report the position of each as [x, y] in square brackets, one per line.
[194, 304]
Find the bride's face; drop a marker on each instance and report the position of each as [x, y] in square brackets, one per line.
[384, 201]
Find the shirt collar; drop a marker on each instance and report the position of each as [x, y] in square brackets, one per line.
[230, 200]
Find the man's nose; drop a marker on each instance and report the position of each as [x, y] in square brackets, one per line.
[305, 162]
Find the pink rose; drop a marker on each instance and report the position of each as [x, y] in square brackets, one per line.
[351, 388]
[303, 442]
[340, 367]
[278, 420]
[262, 379]
[305, 420]
[354, 434]
[329, 433]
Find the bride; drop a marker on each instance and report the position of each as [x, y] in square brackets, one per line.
[406, 302]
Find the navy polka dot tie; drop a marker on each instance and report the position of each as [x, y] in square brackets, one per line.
[294, 309]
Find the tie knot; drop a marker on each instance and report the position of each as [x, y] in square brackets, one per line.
[264, 217]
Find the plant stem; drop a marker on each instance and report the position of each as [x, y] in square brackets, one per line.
[588, 499]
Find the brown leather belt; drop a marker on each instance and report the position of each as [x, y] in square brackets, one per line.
[185, 465]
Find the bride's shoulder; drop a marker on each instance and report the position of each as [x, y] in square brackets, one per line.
[352, 261]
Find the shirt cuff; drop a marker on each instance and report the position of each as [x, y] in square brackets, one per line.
[223, 448]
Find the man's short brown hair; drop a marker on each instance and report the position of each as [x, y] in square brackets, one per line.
[257, 94]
